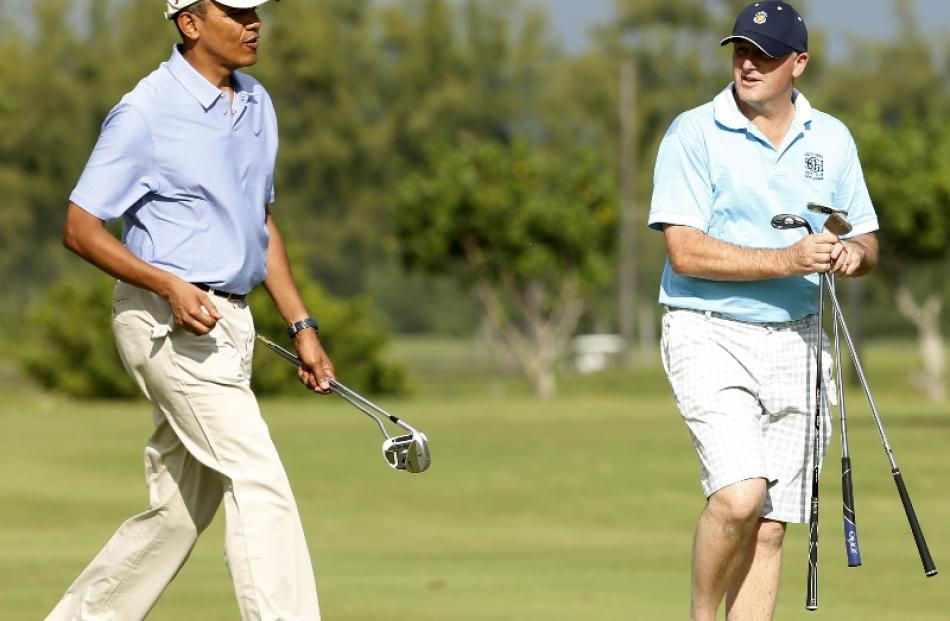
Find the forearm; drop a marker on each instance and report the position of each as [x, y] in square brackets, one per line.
[693, 253]
[279, 282]
[868, 243]
[85, 235]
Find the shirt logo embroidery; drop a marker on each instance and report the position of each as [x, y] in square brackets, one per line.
[760, 17]
[814, 166]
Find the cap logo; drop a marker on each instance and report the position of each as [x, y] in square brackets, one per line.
[760, 17]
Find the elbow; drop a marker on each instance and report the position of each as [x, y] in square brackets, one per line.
[70, 239]
[679, 264]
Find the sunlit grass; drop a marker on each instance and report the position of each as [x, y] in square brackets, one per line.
[578, 509]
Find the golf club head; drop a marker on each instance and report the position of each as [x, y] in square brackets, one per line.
[409, 452]
[837, 223]
[785, 221]
[819, 208]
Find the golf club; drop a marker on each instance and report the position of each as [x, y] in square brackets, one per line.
[785, 222]
[929, 568]
[851, 547]
[409, 452]
[837, 224]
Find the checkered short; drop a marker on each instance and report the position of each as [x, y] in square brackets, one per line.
[747, 394]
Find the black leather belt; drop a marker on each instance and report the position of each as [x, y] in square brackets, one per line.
[231, 297]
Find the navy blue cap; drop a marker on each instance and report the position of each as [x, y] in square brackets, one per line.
[774, 27]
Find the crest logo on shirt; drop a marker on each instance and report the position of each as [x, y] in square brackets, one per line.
[814, 166]
[760, 17]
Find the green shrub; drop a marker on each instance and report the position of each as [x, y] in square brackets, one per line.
[64, 341]
[353, 343]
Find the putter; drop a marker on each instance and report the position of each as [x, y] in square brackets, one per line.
[785, 222]
[837, 224]
[409, 452]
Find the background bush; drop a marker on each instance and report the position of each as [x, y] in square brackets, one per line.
[65, 342]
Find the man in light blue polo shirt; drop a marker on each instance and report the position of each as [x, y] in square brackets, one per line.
[740, 328]
[186, 160]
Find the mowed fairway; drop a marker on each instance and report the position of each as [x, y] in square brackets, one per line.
[581, 509]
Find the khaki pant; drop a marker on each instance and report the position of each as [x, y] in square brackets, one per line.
[210, 443]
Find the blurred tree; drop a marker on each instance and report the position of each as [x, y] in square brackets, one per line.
[59, 83]
[652, 61]
[907, 167]
[529, 232]
[642, 27]
[904, 139]
[360, 88]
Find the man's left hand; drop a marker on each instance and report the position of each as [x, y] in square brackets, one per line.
[316, 370]
[846, 257]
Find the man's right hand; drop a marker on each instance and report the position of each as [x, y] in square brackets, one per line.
[811, 253]
[191, 307]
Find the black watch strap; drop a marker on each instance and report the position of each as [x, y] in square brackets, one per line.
[303, 324]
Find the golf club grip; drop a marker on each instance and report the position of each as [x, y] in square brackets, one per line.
[811, 590]
[929, 568]
[850, 527]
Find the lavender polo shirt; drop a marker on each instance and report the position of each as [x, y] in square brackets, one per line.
[190, 173]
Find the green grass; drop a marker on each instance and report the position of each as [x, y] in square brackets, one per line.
[580, 509]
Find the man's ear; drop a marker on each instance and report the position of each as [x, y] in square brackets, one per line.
[801, 60]
[188, 24]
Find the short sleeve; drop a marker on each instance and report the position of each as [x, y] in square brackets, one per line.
[121, 169]
[852, 194]
[682, 191]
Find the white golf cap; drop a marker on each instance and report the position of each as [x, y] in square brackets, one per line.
[173, 7]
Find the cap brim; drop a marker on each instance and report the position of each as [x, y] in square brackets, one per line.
[770, 47]
[234, 4]
[241, 4]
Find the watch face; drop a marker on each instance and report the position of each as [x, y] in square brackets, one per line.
[303, 324]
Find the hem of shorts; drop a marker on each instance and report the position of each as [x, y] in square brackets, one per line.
[775, 516]
[784, 518]
[726, 482]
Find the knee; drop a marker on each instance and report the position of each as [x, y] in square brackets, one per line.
[740, 503]
[179, 526]
[770, 534]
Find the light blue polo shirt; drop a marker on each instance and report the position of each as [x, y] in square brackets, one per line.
[717, 172]
[190, 172]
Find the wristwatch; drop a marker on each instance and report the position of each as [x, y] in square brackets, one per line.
[303, 324]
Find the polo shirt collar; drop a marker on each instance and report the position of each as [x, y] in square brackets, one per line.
[727, 113]
[196, 84]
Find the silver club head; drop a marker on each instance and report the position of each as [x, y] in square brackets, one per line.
[819, 208]
[837, 221]
[785, 221]
[409, 452]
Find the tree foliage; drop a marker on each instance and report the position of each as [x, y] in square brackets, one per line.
[364, 89]
[530, 233]
[71, 349]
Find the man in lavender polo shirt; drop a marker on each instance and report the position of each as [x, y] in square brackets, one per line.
[186, 159]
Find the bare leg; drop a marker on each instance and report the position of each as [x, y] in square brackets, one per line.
[724, 533]
[754, 588]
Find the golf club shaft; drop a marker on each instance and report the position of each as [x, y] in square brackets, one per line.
[342, 391]
[926, 560]
[851, 547]
[811, 590]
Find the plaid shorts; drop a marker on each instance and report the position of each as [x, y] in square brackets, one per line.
[747, 394]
